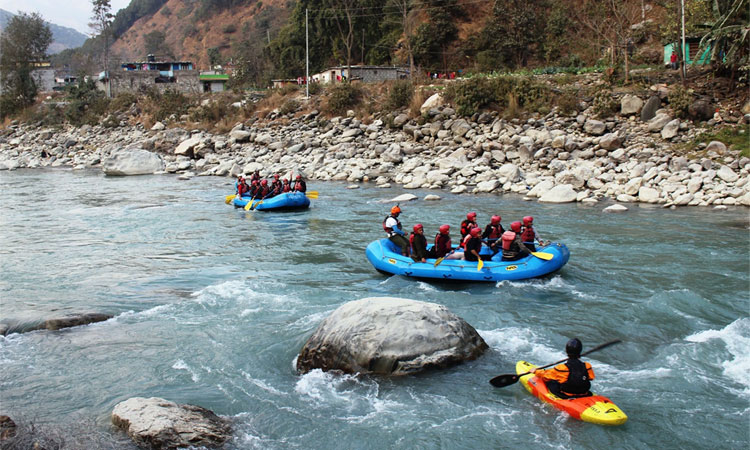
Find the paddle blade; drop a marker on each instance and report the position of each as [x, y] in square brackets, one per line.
[504, 380]
[544, 256]
[312, 194]
[480, 264]
[249, 205]
[438, 261]
[229, 198]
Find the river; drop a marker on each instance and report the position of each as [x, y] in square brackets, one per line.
[212, 304]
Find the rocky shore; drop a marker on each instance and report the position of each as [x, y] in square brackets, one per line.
[632, 156]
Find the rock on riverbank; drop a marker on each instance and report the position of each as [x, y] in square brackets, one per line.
[622, 158]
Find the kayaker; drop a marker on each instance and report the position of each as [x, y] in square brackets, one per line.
[473, 245]
[513, 247]
[392, 227]
[529, 235]
[468, 224]
[418, 244]
[442, 245]
[572, 378]
[492, 233]
[299, 184]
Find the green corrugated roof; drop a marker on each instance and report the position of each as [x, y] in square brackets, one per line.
[216, 77]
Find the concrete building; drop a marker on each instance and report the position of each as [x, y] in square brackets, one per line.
[138, 76]
[366, 74]
[214, 82]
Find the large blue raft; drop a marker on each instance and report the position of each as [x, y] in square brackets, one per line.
[282, 202]
[386, 257]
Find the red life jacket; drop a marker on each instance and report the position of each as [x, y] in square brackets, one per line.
[442, 246]
[389, 230]
[495, 233]
[411, 240]
[528, 234]
[508, 238]
[466, 227]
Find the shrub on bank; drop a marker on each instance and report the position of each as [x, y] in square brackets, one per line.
[343, 96]
[400, 93]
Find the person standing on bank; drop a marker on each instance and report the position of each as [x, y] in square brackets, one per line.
[571, 379]
[392, 227]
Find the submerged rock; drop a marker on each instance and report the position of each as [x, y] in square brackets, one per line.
[74, 320]
[390, 336]
[158, 423]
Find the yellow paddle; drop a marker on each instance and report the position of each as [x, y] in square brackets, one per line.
[312, 194]
[248, 207]
[438, 261]
[544, 256]
[480, 264]
[229, 198]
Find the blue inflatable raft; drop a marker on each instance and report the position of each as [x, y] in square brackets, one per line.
[386, 257]
[282, 202]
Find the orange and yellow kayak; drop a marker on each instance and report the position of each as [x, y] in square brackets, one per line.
[595, 409]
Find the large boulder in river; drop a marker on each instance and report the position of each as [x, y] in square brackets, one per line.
[133, 162]
[158, 423]
[390, 336]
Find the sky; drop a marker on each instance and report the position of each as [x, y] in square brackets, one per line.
[68, 13]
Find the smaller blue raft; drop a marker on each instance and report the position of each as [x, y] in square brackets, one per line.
[287, 201]
[386, 257]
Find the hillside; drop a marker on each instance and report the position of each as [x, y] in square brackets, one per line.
[183, 31]
[62, 37]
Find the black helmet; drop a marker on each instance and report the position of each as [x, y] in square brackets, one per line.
[573, 347]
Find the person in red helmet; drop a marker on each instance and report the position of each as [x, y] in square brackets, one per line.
[276, 186]
[264, 190]
[529, 235]
[492, 233]
[513, 248]
[473, 245]
[286, 187]
[392, 226]
[442, 245]
[468, 224]
[299, 184]
[418, 244]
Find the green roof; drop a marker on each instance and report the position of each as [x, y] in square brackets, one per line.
[216, 77]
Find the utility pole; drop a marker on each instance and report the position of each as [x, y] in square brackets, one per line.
[683, 56]
[307, 59]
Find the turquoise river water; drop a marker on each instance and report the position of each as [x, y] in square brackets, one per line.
[212, 304]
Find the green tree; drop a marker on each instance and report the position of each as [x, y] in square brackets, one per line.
[729, 38]
[23, 42]
[101, 25]
[154, 43]
[214, 57]
[514, 29]
[433, 38]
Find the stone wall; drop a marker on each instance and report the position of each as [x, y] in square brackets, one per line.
[186, 81]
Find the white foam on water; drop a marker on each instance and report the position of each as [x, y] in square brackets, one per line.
[522, 342]
[261, 384]
[426, 286]
[661, 372]
[736, 338]
[258, 297]
[182, 365]
[556, 283]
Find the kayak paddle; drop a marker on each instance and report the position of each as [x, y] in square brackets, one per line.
[508, 379]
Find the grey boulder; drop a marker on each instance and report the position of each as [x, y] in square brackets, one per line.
[390, 336]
